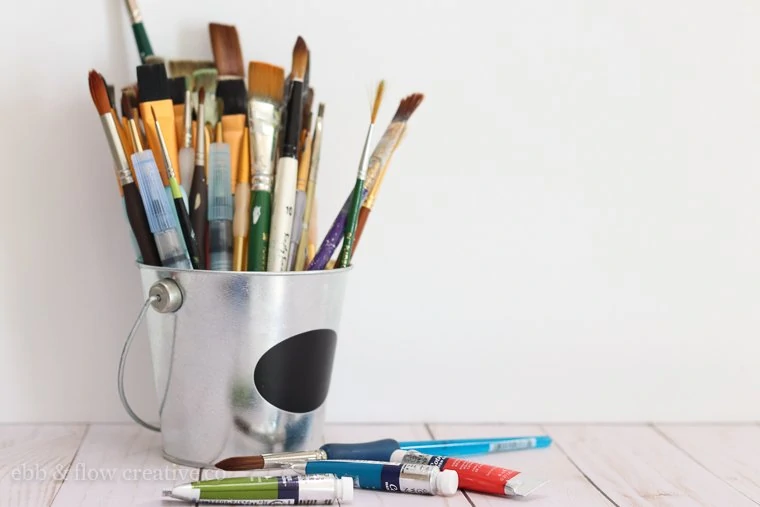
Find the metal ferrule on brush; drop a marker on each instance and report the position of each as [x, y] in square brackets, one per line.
[282, 459]
[187, 121]
[117, 150]
[134, 11]
[200, 141]
[265, 120]
[365, 153]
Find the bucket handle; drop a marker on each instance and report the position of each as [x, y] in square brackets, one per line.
[164, 296]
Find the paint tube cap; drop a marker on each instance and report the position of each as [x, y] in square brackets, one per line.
[447, 483]
[345, 490]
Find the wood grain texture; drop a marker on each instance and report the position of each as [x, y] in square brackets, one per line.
[120, 465]
[567, 486]
[33, 461]
[732, 452]
[636, 466]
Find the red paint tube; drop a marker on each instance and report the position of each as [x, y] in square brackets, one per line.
[476, 476]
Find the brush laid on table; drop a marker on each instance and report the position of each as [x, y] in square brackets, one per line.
[231, 89]
[369, 202]
[179, 201]
[199, 187]
[133, 204]
[265, 88]
[311, 189]
[381, 153]
[344, 258]
[287, 167]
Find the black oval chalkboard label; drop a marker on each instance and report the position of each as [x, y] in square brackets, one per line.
[294, 375]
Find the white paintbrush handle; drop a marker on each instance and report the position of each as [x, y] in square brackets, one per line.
[282, 214]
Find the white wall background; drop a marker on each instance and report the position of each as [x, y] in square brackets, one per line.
[570, 232]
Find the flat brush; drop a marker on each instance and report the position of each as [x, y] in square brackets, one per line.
[287, 167]
[185, 68]
[206, 79]
[177, 88]
[369, 202]
[183, 216]
[228, 57]
[199, 187]
[311, 188]
[265, 88]
[381, 450]
[344, 258]
[141, 36]
[381, 152]
[135, 211]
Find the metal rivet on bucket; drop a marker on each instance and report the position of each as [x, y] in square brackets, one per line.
[169, 295]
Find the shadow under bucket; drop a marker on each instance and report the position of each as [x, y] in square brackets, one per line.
[243, 366]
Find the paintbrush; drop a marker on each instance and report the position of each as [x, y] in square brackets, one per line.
[265, 88]
[381, 152]
[311, 188]
[199, 187]
[180, 203]
[301, 183]
[128, 113]
[306, 120]
[287, 167]
[135, 211]
[344, 258]
[206, 79]
[177, 88]
[141, 36]
[186, 152]
[153, 89]
[241, 220]
[381, 450]
[369, 202]
[231, 89]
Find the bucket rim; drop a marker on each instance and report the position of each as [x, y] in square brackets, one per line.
[316, 272]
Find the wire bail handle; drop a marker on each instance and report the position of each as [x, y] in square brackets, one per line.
[164, 296]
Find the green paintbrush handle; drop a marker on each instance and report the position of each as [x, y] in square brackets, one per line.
[344, 258]
[143, 43]
[258, 238]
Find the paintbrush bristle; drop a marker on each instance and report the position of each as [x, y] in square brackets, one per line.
[241, 463]
[201, 95]
[266, 81]
[177, 87]
[378, 100]
[408, 106]
[300, 59]
[152, 83]
[126, 107]
[99, 92]
[225, 45]
[234, 96]
[185, 68]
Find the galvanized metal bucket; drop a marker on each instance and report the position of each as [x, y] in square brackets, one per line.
[242, 361]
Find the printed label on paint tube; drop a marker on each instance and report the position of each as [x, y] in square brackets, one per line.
[477, 476]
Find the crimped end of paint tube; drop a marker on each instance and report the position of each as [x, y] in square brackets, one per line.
[523, 485]
[219, 195]
[157, 206]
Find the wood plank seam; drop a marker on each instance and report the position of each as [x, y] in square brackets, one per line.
[572, 461]
[68, 468]
[429, 431]
[695, 460]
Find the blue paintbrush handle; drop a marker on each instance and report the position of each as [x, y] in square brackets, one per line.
[381, 450]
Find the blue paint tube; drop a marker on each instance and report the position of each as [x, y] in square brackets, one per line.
[378, 475]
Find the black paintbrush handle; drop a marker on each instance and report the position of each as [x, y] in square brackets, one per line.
[199, 211]
[138, 220]
[187, 232]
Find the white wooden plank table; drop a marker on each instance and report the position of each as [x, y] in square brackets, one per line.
[587, 465]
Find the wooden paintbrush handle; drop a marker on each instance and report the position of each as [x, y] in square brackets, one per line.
[258, 237]
[199, 210]
[143, 43]
[363, 214]
[138, 220]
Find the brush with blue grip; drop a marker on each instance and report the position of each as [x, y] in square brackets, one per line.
[381, 450]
